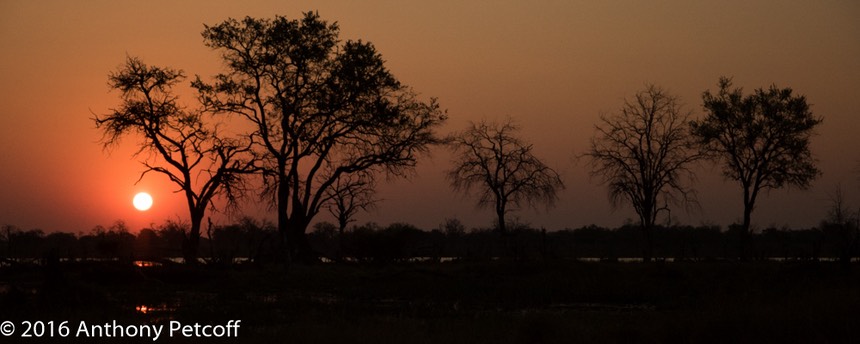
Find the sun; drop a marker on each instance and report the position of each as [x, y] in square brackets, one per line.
[142, 201]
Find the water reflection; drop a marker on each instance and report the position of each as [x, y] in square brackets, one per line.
[9, 262]
[158, 312]
[162, 307]
[146, 263]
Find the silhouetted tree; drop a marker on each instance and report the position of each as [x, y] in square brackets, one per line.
[320, 110]
[9, 233]
[146, 244]
[172, 233]
[454, 231]
[176, 142]
[113, 242]
[493, 160]
[248, 238]
[842, 227]
[761, 139]
[453, 228]
[643, 154]
[6, 233]
[350, 194]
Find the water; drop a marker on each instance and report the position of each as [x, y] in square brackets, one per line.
[242, 260]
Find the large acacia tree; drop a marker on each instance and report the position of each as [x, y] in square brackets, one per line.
[644, 154]
[493, 160]
[319, 109]
[761, 140]
[176, 143]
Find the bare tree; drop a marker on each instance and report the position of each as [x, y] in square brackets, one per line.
[320, 109]
[843, 225]
[761, 140]
[350, 194]
[494, 161]
[175, 142]
[643, 154]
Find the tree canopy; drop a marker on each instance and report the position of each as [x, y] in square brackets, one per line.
[320, 109]
[182, 145]
[761, 139]
[493, 160]
[644, 155]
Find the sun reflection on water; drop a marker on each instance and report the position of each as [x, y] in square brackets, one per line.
[156, 313]
[146, 263]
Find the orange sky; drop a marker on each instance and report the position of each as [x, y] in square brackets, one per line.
[554, 66]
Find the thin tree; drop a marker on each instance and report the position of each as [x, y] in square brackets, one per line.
[761, 140]
[175, 142]
[494, 161]
[319, 110]
[350, 194]
[843, 224]
[644, 154]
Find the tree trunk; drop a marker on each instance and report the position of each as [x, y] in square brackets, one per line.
[300, 248]
[745, 235]
[191, 241]
[647, 214]
[283, 221]
[500, 212]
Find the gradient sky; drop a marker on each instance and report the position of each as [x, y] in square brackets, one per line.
[554, 66]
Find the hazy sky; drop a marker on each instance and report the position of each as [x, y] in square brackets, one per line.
[554, 66]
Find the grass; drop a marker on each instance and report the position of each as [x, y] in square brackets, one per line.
[487, 302]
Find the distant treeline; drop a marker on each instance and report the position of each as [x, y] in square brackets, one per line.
[255, 242]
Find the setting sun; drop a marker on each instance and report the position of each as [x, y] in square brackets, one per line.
[142, 201]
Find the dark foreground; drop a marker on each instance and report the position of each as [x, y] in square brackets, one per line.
[489, 302]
